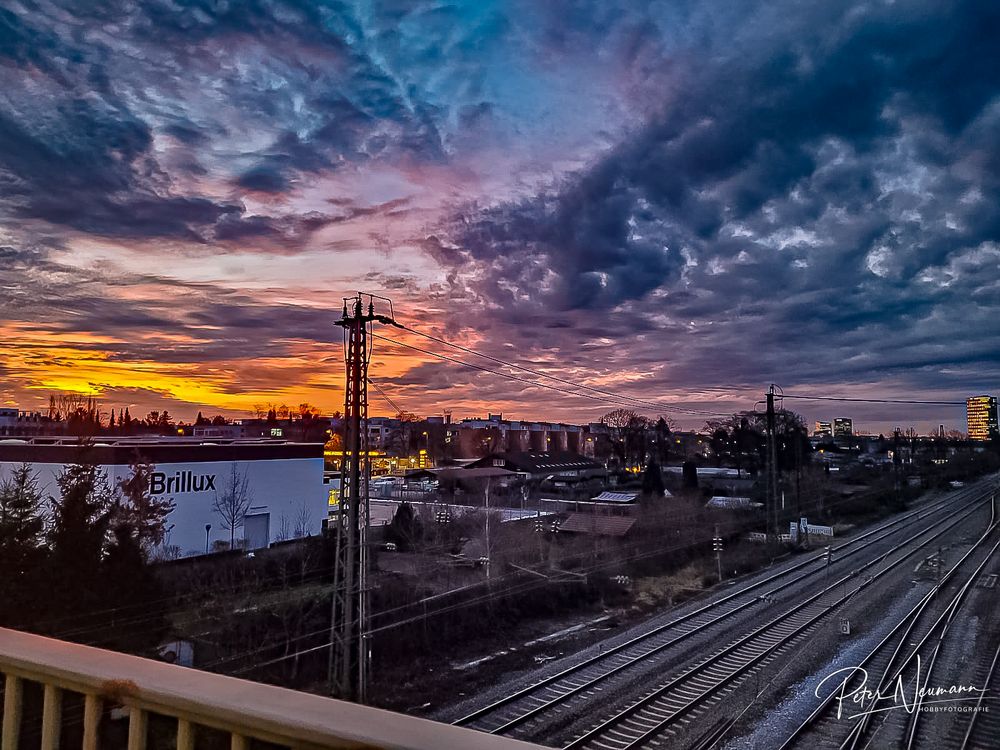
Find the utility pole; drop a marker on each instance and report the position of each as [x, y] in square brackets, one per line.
[897, 461]
[772, 464]
[717, 547]
[798, 474]
[350, 655]
[489, 550]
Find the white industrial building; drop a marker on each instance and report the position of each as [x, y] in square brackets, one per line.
[284, 481]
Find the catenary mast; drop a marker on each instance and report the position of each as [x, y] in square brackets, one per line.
[350, 652]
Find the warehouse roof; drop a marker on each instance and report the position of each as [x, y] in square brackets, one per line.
[732, 503]
[616, 497]
[106, 450]
[591, 523]
[452, 473]
[540, 462]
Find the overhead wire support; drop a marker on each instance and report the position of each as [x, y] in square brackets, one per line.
[772, 461]
[350, 654]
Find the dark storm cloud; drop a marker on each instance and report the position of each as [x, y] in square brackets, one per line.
[775, 192]
[79, 119]
[263, 178]
[812, 175]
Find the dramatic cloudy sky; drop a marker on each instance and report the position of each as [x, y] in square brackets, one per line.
[682, 201]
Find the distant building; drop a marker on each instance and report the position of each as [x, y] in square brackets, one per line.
[476, 437]
[225, 431]
[981, 416]
[540, 465]
[823, 429]
[16, 423]
[381, 430]
[843, 427]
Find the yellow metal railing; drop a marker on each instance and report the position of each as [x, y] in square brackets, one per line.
[245, 710]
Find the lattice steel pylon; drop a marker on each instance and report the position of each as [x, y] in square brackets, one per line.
[350, 654]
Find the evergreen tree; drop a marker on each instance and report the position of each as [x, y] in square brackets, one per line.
[111, 420]
[652, 481]
[144, 515]
[20, 509]
[21, 528]
[129, 582]
[405, 529]
[690, 475]
[78, 536]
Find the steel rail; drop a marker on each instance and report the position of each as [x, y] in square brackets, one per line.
[907, 621]
[772, 636]
[701, 627]
[945, 618]
[979, 703]
[942, 625]
[890, 528]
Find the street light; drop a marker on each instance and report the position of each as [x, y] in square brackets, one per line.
[208, 528]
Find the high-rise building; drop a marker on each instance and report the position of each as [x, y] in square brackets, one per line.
[981, 416]
[843, 427]
[823, 429]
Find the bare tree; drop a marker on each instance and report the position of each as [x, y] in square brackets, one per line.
[303, 521]
[308, 411]
[284, 529]
[233, 502]
[627, 433]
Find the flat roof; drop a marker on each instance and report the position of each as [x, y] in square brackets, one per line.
[453, 473]
[591, 523]
[165, 450]
[383, 510]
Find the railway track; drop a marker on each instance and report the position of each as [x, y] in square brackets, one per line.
[983, 729]
[650, 721]
[913, 644]
[560, 694]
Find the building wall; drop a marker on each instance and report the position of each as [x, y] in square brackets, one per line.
[843, 427]
[286, 488]
[15, 423]
[981, 416]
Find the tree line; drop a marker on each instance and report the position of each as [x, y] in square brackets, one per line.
[80, 554]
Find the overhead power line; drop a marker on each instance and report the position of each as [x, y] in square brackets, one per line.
[541, 374]
[384, 395]
[523, 587]
[611, 398]
[873, 400]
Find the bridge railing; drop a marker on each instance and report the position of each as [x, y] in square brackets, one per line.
[136, 688]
